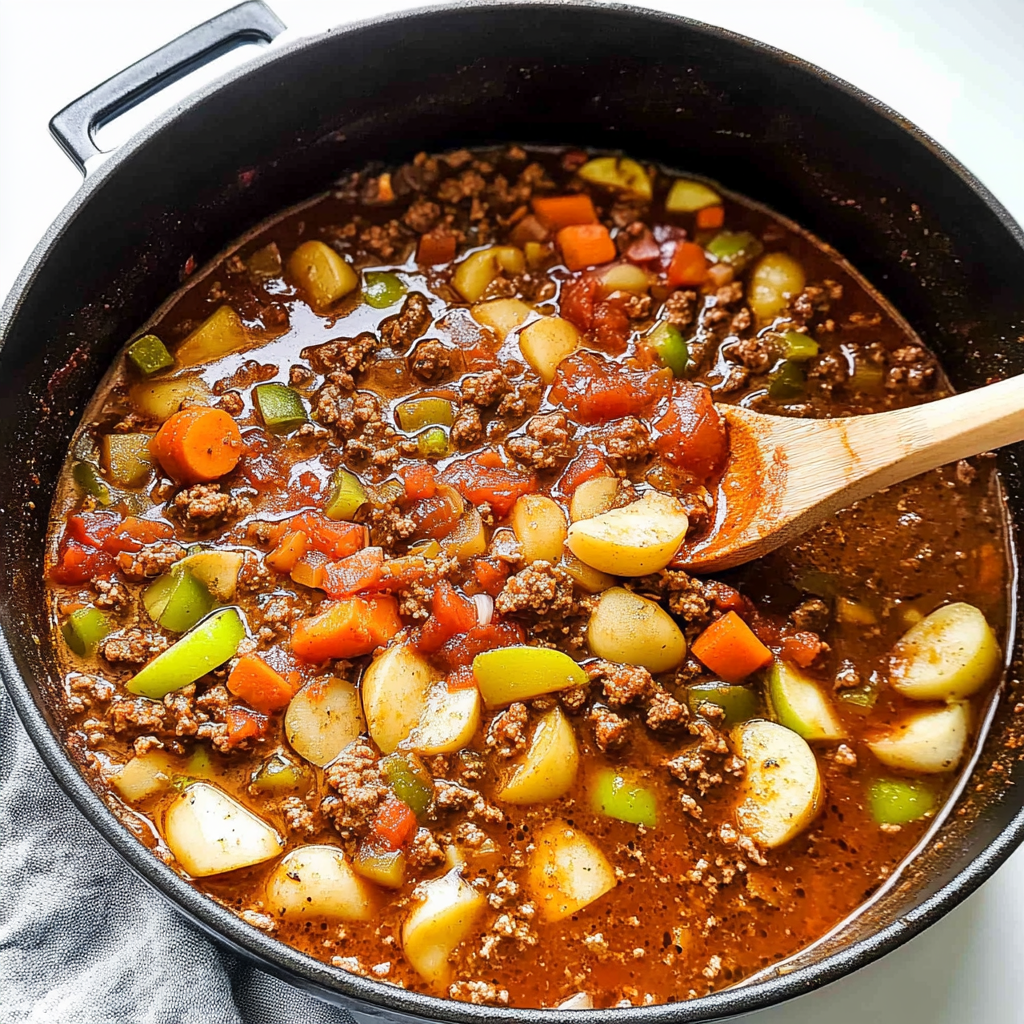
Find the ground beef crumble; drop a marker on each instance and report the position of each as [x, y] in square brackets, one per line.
[360, 788]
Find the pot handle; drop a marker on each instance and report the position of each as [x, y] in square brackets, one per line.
[73, 126]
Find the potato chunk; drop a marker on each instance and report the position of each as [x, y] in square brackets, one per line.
[209, 832]
[317, 881]
[449, 907]
[448, 721]
[800, 705]
[548, 768]
[322, 719]
[474, 273]
[539, 525]
[634, 630]
[502, 315]
[566, 871]
[321, 273]
[948, 655]
[593, 497]
[394, 689]
[619, 173]
[545, 343]
[634, 540]
[220, 334]
[776, 279]
[159, 400]
[782, 791]
[928, 742]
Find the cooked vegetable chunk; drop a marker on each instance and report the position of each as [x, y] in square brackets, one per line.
[566, 871]
[382, 289]
[394, 690]
[948, 655]
[84, 628]
[616, 795]
[634, 540]
[323, 718]
[546, 342]
[777, 278]
[209, 832]
[144, 776]
[219, 335]
[899, 801]
[548, 768]
[800, 705]
[159, 399]
[216, 570]
[729, 648]
[687, 196]
[479, 269]
[149, 354]
[634, 630]
[322, 274]
[177, 600]
[347, 495]
[782, 791]
[197, 445]
[503, 316]
[317, 881]
[447, 722]
[127, 458]
[618, 173]
[927, 742]
[280, 408]
[738, 703]
[522, 673]
[593, 497]
[539, 525]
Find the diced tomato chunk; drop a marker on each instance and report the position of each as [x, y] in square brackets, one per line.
[590, 462]
[79, 563]
[610, 327]
[420, 480]
[393, 826]
[435, 516]
[691, 434]
[463, 649]
[435, 247]
[450, 614]
[689, 265]
[335, 539]
[490, 574]
[595, 389]
[357, 572]
[577, 301]
[243, 724]
[134, 533]
[461, 679]
[478, 479]
[92, 528]
[801, 648]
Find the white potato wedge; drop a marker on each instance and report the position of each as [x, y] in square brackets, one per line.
[220, 334]
[317, 881]
[144, 776]
[688, 196]
[322, 719]
[502, 315]
[159, 400]
[394, 689]
[782, 791]
[449, 907]
[321, 273]
[625, 277]
[593, 497]
[775, 280]
[216, 570]
[566, 871]
[800, 705]
[210, 832]
[619, 173]
[448, 721]
[634, 630]
[634, 540]
[948, 655]
[546, 342]
[474, 273]
[927, 742]
[592, 580]
[540, 527]
[548, 768]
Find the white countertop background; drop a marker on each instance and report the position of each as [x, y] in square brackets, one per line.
[956, 69]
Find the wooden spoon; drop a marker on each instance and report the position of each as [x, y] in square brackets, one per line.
[786, 475]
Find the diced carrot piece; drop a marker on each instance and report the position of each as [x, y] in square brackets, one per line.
[243, 724]
[711, 217]
[558, 212]
[347, 629]
[355, 573]
[689, 265]
[259, 685]
[729, 648]
[585, 245]
[310, 569]
[290, 549]
[435, 248]
[393, 826]
[491, 575]
[335, 539]
[92, 528]
[197, 444]
[134, 533]
[420, 481]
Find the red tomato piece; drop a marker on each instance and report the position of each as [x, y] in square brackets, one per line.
[611, 328]
[577, 301]
[490, 574]
[334, 539]
[585, 466]
[134, 533]
[691, 434]
[243, 724]
[595, 389]
[801, 648]
[463, 649]
[393, 826]
[92, 528]
[79, 563]
[420, 480]
[478, 479]
[450, 615]
[461, 679]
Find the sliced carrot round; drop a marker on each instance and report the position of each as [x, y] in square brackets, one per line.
[197, 445]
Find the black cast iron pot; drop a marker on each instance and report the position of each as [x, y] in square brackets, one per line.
[697, 98]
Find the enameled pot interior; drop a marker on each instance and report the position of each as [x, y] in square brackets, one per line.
[697, 99]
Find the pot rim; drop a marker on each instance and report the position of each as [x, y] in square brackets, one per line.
[330, 982]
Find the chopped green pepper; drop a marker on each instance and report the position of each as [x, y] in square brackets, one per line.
[614, 796]
[737, 248]
[899, 801]
[797, 347]
[418, 413]
[867, 377]
[382, 289]
[859, 699]
[177, 600]
[738, 702]
[199, 765]
[347, 495]
[127, 458]
[432, 443]
[278, 775]
[385, 867]
[88, 477]
[786, 381]
[149, 354]
[410, 781]
[668, 343]
[280, 407]
[206, 647]
[84, 629]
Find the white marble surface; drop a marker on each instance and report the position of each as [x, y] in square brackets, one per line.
[955, 69]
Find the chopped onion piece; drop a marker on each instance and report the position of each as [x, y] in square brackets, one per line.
[484, 608]
[580, 1001]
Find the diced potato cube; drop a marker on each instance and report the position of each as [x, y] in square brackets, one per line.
[394, 689]
[928, 742]
[539, 525]
[633, 630]
[216, 570]
[775, 281]
[546, 342]
[322, 719]
[625, 277]
[548, 768]
[479, 269]
[592, 580]
[160, 399]
[687, 196]
[566, 872]
[322, 274]
[593, 497]
[145, 775]
[619, 173]
[317, 881]
[218, 335]
[502, 315]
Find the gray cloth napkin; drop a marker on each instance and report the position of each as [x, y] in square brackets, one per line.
[84, 941]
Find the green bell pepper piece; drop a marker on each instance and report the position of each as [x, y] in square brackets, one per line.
[177, 600]
[668, 343]
[615, 796]
[385, 867]
[280, 407]
[797, 347]
[347, 495]
[738, 702]
[410, 781]
[206, 647]
[899, 801]
[382, 289]
[84, 629]
[522, 673]
[859, 699]
[418, 413]
[127, 458]
[432, 443]
[786, 381]
[278, 775]
[735, 248]
[867, 377]
[149, 355]
[88, 477]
